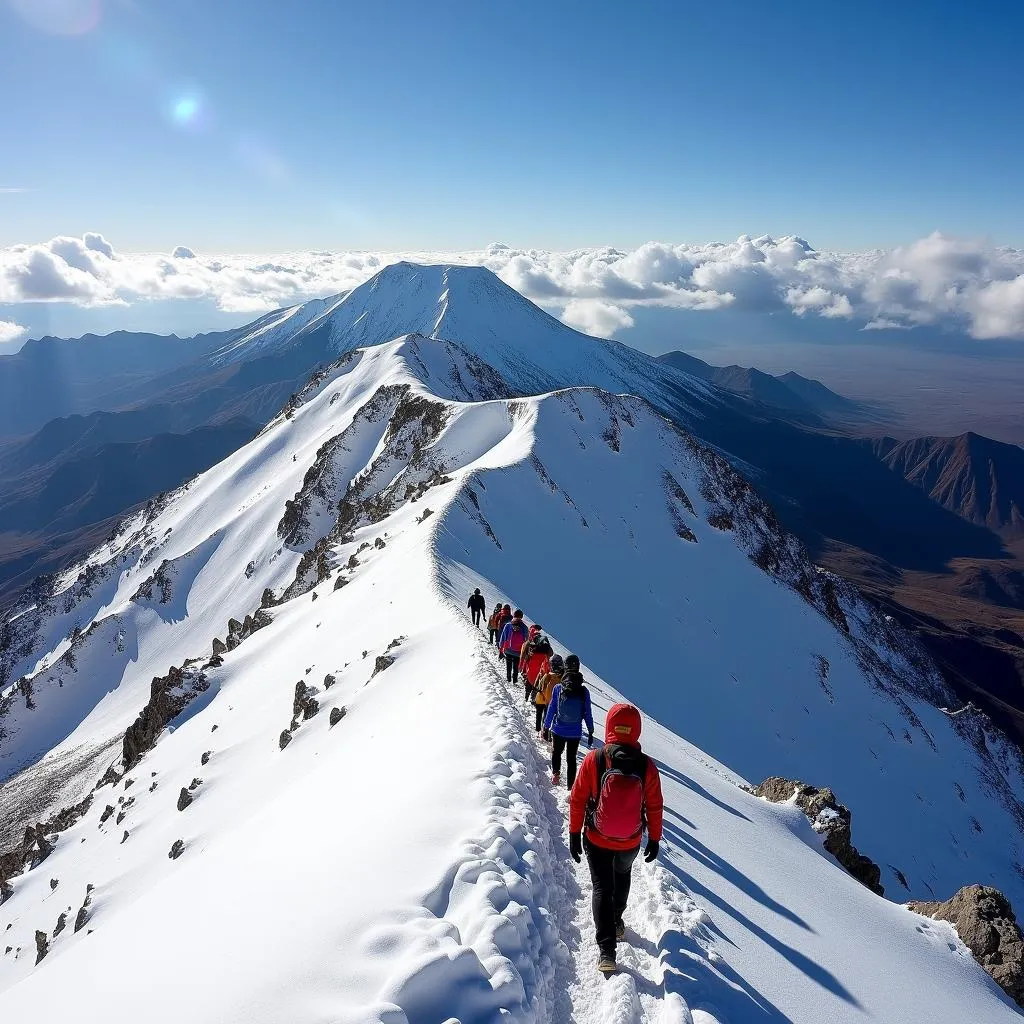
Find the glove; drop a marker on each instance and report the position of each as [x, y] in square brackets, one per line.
[576, 846]
[590, 739]
[651, 852]
[545, 736]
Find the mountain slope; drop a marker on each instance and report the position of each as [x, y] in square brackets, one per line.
[979, 479]
[59, 377]
[408, 862]
[788, 392]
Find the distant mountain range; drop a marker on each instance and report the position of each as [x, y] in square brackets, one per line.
[95, 427]
[979, 479]
[789, 392]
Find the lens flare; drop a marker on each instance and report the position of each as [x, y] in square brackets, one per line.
[61, 17]
[185, 110]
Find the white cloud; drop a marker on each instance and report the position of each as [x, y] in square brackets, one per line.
[947, 282]
[10, 331]
[597, 318]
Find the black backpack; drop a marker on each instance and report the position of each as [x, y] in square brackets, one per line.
[542, 645]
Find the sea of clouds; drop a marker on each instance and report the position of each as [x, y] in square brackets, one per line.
[963, 285]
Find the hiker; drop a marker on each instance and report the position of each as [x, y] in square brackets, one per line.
[564, 718]
[503, 620]
[513, 637]
[477, 605]
[492, 625]
[534, 659]
[616, 796]
[545, 685]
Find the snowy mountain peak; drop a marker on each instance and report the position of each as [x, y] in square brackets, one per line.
[255, 723]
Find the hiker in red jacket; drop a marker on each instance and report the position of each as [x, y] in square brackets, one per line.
[504, 618]
[533, 662]
[616, 795]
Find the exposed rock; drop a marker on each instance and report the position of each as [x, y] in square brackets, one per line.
[304, 704]
[379, 544]
[124, 837]
[219, 647]
[81, 917]
[315, 596]
[427, 512]
[184, 799]
[177, 849]
[284, 739]
[205, 759]
[337, 714]
[397, 642]
[54, 882]
[42, 946]
[107, 812]
[128, 783]
[986, 924]
[353, 562]
[169, 695]
[828, 818]
[340, 582]
[62, 922]
[6, 891]
[329, 680]
[195, 784]
[384, 661]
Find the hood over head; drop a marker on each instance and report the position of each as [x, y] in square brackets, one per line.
[622, 725]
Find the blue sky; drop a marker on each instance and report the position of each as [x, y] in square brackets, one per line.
[259, 126]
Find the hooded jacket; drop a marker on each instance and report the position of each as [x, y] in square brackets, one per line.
[622, 749]
[569, 707]
[477, 602]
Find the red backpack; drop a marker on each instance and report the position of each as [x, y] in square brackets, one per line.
[618, 812]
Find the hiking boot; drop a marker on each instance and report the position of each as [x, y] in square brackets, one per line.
[620, 930]
[606, 964]
[556, 779]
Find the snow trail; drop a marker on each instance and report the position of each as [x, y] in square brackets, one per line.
[647, 987]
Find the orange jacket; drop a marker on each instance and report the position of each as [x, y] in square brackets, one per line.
[622, 725]
[545, 685]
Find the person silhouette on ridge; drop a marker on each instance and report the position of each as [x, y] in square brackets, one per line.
[477, 605]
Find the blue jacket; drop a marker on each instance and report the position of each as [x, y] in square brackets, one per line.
[566, 715]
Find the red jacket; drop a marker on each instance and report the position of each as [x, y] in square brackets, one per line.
[534, 667]
[621, 726]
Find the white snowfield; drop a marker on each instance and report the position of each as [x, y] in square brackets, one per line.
[408, 864]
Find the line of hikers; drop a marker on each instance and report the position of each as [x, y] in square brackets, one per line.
[616, 794]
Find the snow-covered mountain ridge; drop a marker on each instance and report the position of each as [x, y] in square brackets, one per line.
[408, 862]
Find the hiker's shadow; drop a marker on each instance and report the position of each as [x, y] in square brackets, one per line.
[696, 787]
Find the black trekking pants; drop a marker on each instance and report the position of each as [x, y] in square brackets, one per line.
[492, 639]
[558, 744]
[541, 711]
[476, 616]
[611, 873]
[511, 667]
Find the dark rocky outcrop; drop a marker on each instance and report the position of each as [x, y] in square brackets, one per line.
[830, 819]
[986, 924]
[184, 799]
[169, 695]
[284, 739]
[329, 680]
[384, 661]
[305, 705]
[337, 714]
[205, 759]
[177, 849]
[42, 946]
[62, 922]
